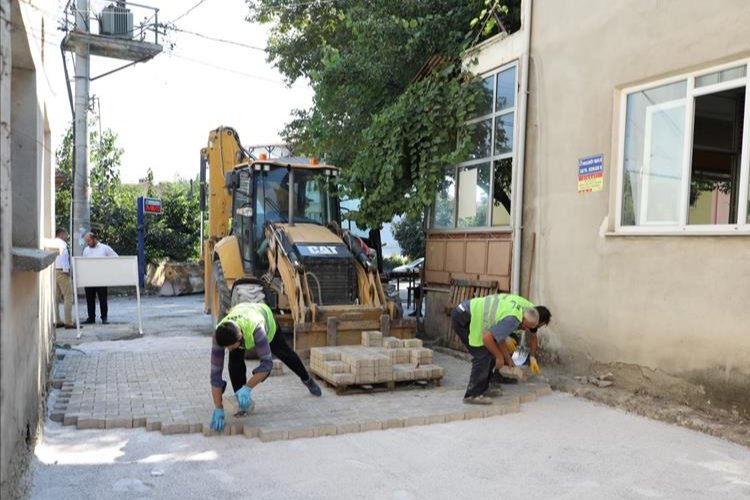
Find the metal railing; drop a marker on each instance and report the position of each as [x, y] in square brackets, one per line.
[142, 30]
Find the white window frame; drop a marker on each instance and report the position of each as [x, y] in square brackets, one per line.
[742, 226]
[492, 115]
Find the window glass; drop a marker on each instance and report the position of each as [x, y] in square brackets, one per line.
[501, 192]
[724, 75]
[653, 155]
[717, 148]
[504, 134]
[484, 104]
[481, 138]
[445, 203]
[473, 195]
[506, 89]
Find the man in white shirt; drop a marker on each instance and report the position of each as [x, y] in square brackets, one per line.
[96, 249]
[63, 284]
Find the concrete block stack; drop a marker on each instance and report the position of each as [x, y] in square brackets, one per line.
[392, 342]
[376, 360]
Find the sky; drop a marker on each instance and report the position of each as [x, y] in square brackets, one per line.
[162, 110]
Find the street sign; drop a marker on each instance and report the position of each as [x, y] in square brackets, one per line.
[152, 205]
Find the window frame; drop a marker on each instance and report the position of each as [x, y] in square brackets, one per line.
[492, 115]
[742, 226]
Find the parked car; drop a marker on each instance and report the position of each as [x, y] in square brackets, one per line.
[411, 267]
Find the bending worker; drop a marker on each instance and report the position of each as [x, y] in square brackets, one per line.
[483, 325]
[245, 327]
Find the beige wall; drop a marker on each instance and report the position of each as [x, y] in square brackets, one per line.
[26, 220]
[675, 302]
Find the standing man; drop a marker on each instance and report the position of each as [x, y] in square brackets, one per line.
[483, 325]
[96, 249]
[248, 326]
[63, 284]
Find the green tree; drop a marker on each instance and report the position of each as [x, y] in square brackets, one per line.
[393, 136]
[410, 236]
[104, 178]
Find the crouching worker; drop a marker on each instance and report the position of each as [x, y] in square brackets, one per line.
[245, 327]
[483, 324]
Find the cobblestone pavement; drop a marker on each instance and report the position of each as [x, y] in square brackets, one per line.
[162, 384]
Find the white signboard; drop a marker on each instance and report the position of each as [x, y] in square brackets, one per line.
[106, 271]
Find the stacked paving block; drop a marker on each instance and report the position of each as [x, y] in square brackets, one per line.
[377, 360]
[372, 338]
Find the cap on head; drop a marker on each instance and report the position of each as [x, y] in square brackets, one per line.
[227, 333]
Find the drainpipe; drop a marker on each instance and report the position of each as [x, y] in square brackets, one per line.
[515, 279]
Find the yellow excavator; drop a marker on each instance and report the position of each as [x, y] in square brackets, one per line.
[275, 236]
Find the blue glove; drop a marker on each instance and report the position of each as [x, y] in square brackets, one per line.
[217, 419]
[244, 397]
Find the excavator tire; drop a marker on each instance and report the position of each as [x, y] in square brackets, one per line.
[248, 292]
[219, 286]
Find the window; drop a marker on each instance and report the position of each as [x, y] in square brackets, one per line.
[685, 154]
[476, 193]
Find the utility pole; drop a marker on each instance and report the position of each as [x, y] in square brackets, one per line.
[81, 194]
[116, 38]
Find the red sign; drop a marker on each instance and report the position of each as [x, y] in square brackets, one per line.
[151, 205]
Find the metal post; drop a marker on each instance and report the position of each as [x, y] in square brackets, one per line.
[82, 197]
[141, 251]
[290, 214]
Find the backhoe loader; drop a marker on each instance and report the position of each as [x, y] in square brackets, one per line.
[275, 235]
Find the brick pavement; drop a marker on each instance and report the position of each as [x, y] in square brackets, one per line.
[168, 390]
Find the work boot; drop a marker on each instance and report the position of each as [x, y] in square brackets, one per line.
[89, 321]
[478, 400]
[313, 387]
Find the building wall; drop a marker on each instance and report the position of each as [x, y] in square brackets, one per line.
[679, 303]
[26, 220]
[479, 254]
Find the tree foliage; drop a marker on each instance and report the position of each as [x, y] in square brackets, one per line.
[174, 233]
[410, 236]
[392, 135]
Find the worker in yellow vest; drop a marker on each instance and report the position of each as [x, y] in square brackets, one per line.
[249, 326]
[483, 325]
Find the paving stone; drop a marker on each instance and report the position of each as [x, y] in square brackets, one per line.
[110, 389]
[153, 424]
[393, 423]
[372, 426]
[348, 428]
[115, 422]
[302, 432]
[273, 435]
[412, 421]
[453, 417]
[250, 431]
[325, 429]
[476, 413]
[90, 423]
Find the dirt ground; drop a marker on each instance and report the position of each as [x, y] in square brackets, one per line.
[650, 393]
[640, 391]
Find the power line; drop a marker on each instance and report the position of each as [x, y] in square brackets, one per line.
[215, 39]
[191, 9]
[223, 68]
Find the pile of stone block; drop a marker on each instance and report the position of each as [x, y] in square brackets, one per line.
[377, 360]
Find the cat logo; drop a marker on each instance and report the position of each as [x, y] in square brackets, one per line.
[322, 250]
